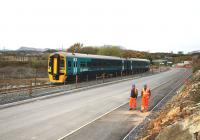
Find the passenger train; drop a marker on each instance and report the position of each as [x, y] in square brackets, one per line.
[63, 66]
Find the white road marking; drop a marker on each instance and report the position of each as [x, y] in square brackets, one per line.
[104, 115]
[156, 106]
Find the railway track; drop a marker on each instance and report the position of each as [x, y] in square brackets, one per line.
[137, 129]
[29, 87]
[25, 88]
[53, 118]
[10, 95]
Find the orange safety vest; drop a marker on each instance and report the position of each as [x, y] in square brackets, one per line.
[146, 92]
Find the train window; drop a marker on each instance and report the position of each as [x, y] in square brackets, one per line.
[103, 63]
[62, 63]
[89, 64]
[98, 63]
[110, 64]
[135, 63]
[83, 64]
[94, 64]
[69, 64]
[116, 63]
[50, 63]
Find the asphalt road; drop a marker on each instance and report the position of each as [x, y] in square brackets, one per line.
[56, 117]
[118, 123]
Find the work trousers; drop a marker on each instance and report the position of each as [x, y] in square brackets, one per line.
[145, 103]
[132, 102]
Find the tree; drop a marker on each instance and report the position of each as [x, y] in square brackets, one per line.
[75, 48]
[89, 50]
[128, 54]
[110, 51]
[181, 58]
[133, 54]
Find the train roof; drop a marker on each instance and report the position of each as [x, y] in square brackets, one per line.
[80, 55]
[94, 56]
[139, 59]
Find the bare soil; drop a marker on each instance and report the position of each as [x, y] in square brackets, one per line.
[179, 119]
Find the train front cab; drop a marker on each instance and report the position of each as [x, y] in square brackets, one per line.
[57, 68]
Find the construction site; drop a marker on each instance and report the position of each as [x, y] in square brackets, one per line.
[99, 70]
[104, 108]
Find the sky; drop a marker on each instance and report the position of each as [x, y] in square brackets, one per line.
[144, 25]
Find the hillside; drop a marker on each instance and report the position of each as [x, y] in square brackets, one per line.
[179, 119]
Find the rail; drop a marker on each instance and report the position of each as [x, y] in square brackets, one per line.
[9, 95]
[30, 85]
[25, 88]
[131, 134]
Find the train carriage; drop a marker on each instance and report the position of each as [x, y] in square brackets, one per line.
[65, 66]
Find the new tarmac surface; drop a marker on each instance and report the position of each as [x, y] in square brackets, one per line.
[56, 117]
[118, 123]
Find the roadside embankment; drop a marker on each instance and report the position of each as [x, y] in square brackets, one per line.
[179, 119]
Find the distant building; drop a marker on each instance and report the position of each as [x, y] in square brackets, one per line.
[169, 63]
[159, 62]
[180, 52]
[184, 64]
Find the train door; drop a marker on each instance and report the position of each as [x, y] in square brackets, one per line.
[56, 67]
[75, 66]
[69, 66]
[128, 65]
[131, 66]
[122, 65]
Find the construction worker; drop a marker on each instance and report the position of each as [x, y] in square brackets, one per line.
[133, 97]
[145, 94]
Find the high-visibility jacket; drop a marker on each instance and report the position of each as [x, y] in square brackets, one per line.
[146, 93]
[134, 93]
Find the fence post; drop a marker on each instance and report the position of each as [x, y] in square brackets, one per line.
[152, 70]
[3, 76]
[35, 76]
[7, 88]
[87, 77]
[30, 88]
[96, 79]
[76, 81]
